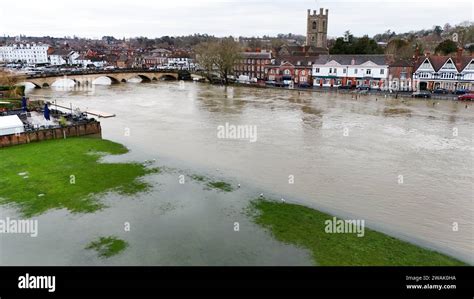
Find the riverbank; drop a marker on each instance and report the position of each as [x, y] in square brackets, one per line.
[305, 227]
[65, 173]
[358, 93]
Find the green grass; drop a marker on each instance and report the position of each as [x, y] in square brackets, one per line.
[219, 185]
[305, 227]
[198, 178]
[36, 177]
[107, 246]
[223, 186]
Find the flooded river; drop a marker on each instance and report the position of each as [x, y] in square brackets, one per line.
[404, 166]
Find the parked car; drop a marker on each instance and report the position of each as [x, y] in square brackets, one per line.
[461, 91]
[363, 87]
[347, 87]
[440, 91]
[421, 94]
[466, 97]
[279, 84]
[304, 85]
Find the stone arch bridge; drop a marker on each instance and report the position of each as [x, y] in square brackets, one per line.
[87, 79]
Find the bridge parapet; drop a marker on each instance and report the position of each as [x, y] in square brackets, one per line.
[97, 72]
[43, 80]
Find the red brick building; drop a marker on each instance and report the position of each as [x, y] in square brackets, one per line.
[297, 69]
[400, 74]
[253, 65]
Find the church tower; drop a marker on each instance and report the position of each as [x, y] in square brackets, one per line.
[317, 32]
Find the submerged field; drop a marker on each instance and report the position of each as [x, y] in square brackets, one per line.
[69, 174]
[66, 174]
[305, 227]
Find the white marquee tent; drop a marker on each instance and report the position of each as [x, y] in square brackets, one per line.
[11, 124]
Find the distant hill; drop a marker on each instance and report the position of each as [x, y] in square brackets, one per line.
[431, 38]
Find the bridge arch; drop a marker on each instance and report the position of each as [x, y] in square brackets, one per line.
[36, 85]
[168, 77]
[112, 79]
[144, 78]
[61, 82]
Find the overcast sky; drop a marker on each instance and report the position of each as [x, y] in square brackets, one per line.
[155, 18]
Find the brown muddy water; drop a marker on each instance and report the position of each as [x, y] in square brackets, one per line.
[404, 166]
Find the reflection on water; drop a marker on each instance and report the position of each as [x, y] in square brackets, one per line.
[346, 156]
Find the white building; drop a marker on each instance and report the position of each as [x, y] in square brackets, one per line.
[72, 57]
[180, 62]
[82, 60]
[337, 70]
[59, 57]
[26, 53]
[448, 72]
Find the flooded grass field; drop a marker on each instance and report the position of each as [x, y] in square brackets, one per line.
[403, 166]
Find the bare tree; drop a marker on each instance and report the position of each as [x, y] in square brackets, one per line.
[228, 54]
[218, 57]
[206, 56]
[400, 48]
[9, 80]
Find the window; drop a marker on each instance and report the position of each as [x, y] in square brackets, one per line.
[382, 71]
[286, 72]
[314, 25]
[424, 75]
[330, 70]
[368, 72]
[355, 71]
[447, 76]
[303, 73]
[316, 70]
[344, 71]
